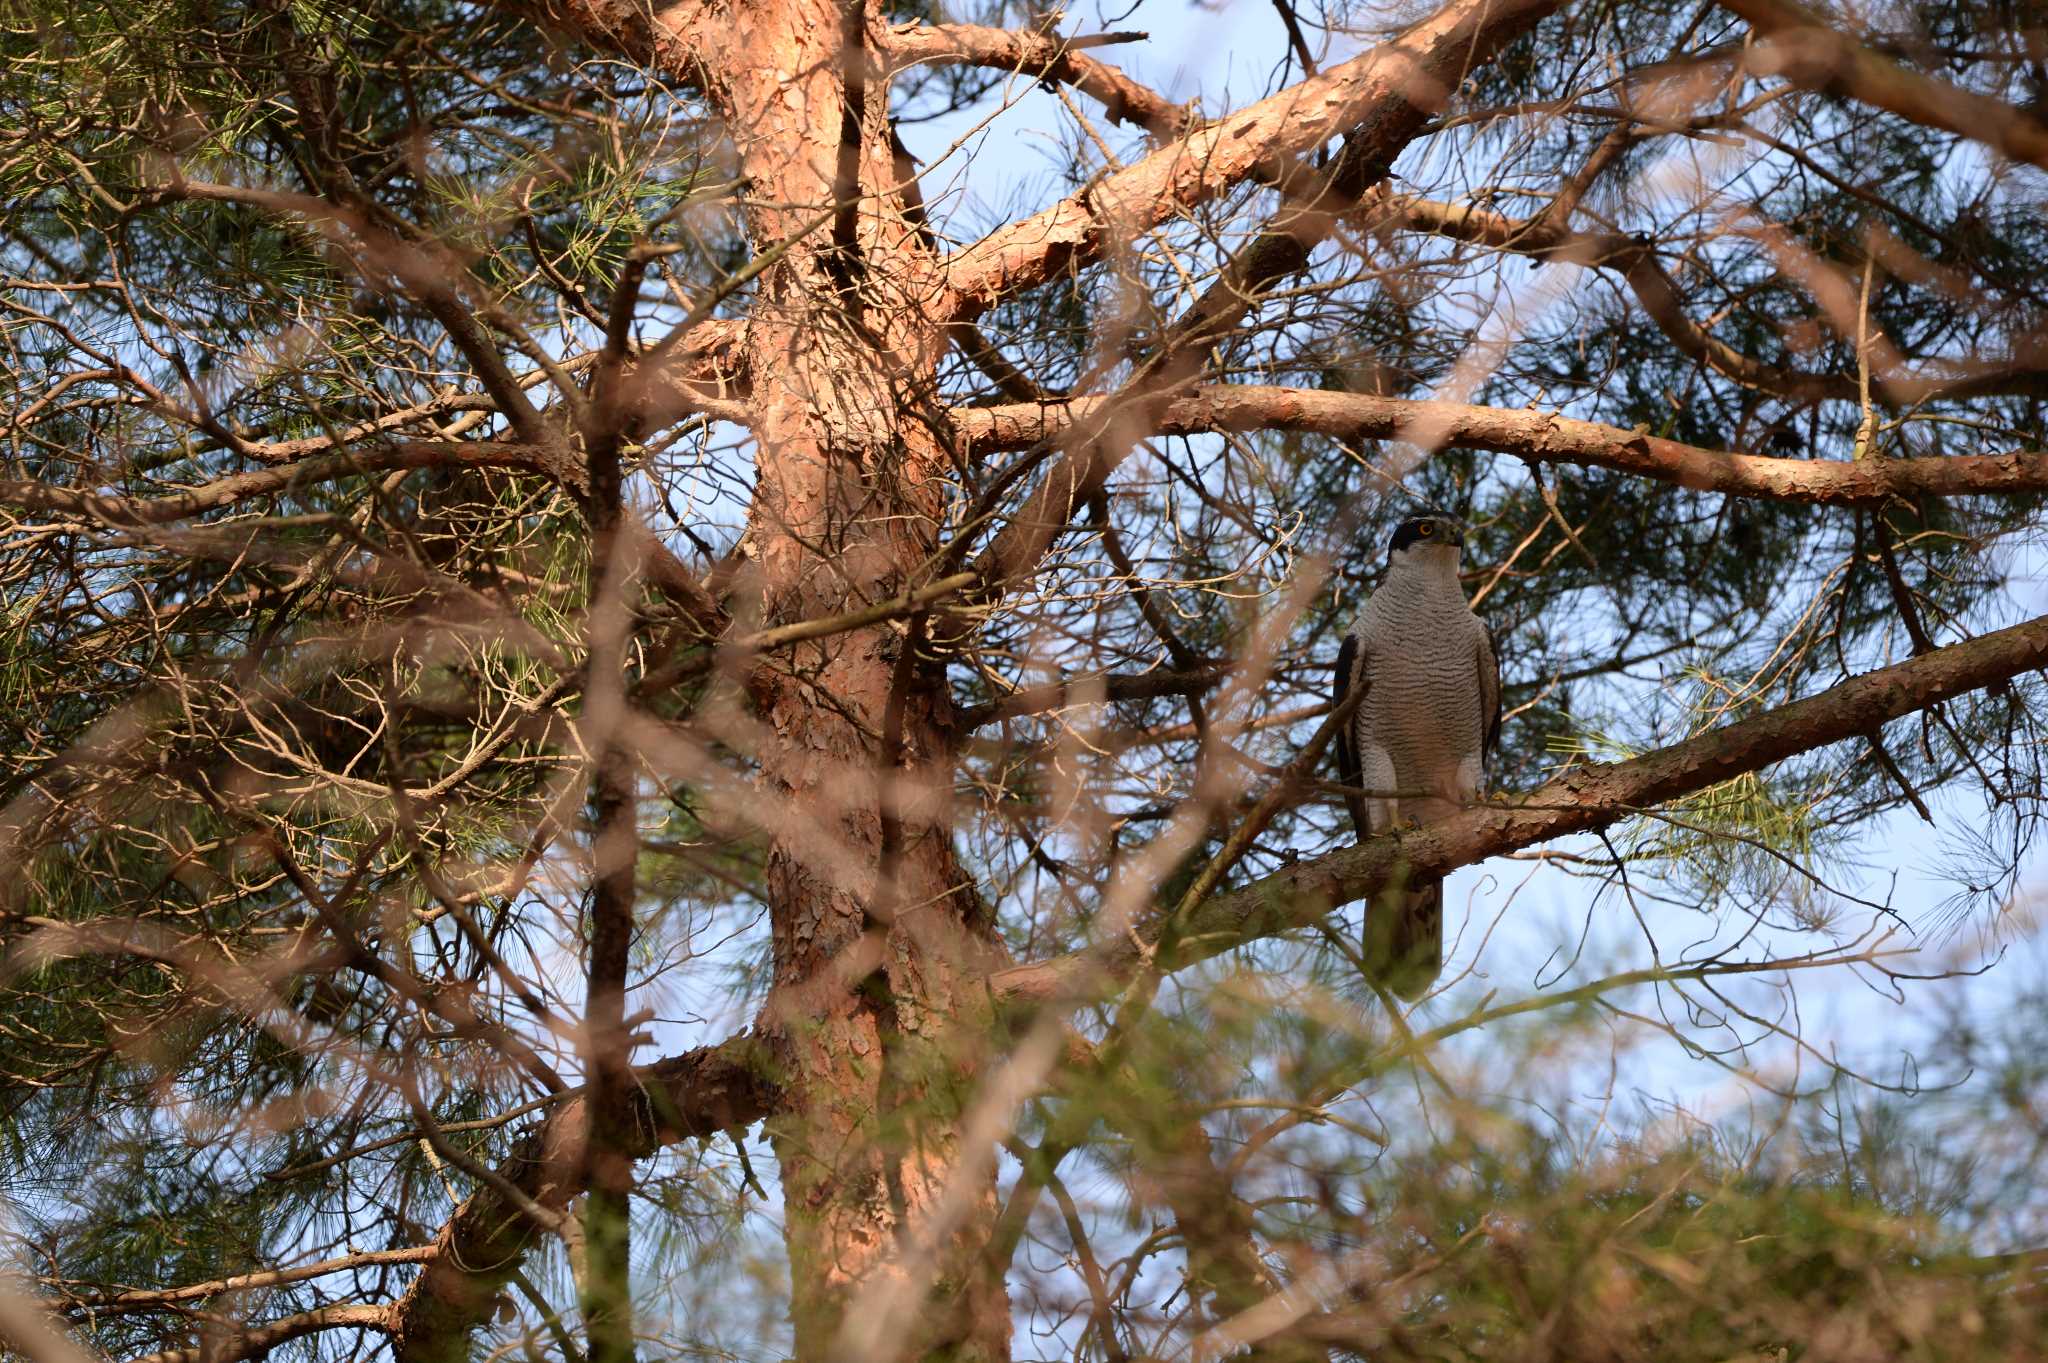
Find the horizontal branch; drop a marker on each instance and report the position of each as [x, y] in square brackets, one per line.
[258, 1340]
[781, 636]
[1045, 55]
[242, 487]
[1033, 700]
[142, 1299]
[470, 411]
[1588, 797]
[1543, 437]
[713, 1089]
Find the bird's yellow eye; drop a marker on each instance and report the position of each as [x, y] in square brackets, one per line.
[1426, 528]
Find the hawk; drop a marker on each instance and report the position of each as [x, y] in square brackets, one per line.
[1417, 744]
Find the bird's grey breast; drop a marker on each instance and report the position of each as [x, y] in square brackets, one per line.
[1424, 707]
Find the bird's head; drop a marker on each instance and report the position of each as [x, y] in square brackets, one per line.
[1431, 539]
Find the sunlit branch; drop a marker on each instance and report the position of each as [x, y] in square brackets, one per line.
[257, 1341]
[139, 1299]
[1042, 55]
[1378, 101]
[1540, 437]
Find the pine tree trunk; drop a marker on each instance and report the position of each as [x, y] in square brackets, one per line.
[877, 929]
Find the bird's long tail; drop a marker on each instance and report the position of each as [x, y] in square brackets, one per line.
[1404, 938]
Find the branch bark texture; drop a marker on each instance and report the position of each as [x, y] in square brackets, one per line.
[1541, 437]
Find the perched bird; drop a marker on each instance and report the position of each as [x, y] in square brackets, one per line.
[1416, 746]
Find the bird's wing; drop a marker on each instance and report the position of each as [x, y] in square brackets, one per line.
[1350, 675]
[1489, 691]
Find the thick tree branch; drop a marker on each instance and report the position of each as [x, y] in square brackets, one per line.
[1378, 100]
[1588, 797]
[1542, 437]
[1384, 101]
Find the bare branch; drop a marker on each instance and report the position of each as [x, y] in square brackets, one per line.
[1541, 437]
[1047, 56]
[138, 1299]
[1379, 100]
